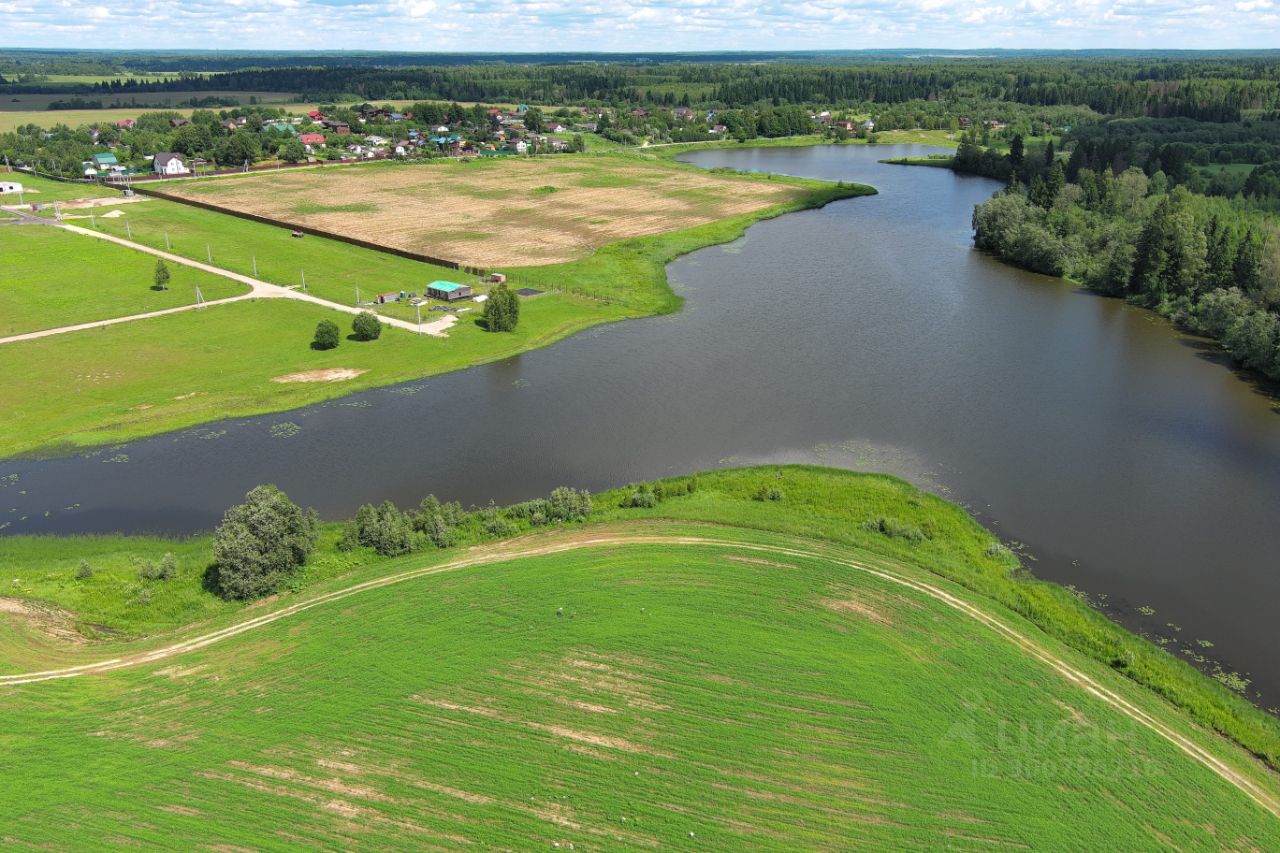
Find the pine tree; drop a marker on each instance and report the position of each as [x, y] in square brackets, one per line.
[161, 275]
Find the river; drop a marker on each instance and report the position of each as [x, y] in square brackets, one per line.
[868, 334]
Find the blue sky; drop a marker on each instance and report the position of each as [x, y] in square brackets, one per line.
[542, 25]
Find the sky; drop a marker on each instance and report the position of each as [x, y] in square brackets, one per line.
[505, 26]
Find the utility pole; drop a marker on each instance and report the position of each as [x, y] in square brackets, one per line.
[357, 296]
[167, 247]
[255, 266]
[199, 296]
[208, 252]
[93, 222]
[419, 307]
[128, 229]
[304, 280]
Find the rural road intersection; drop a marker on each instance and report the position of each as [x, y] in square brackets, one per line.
[258, 289]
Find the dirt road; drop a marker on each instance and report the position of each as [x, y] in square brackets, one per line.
[482, 556]
[258, 289]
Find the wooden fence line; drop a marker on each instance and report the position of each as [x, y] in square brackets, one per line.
[316, 232]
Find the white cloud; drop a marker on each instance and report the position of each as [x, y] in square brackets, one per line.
[653, 25]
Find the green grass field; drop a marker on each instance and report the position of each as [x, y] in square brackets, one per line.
[166, 373]
[38, 190]
[747, 690]
[55, 278]
[172, 372]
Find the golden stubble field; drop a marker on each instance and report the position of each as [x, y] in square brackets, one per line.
[491, 213]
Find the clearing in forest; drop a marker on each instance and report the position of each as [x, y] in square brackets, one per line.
[506, 211]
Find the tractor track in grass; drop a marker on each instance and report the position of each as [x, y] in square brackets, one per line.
[522, 549]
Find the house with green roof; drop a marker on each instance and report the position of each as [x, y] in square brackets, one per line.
[448, 290]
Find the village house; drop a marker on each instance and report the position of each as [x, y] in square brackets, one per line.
[102, 162]
[868, 125]
[10, 187]
[334, 126]
[683, 113]
[843, 125]
[126, 123]
[178, 122]
[312, 140]
[168, 163]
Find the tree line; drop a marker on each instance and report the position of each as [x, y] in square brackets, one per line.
[1211, 265]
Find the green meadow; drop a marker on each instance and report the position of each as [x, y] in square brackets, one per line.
[38, 190]
[166, 373]
[56, 278]
[841, 508]
[716, 673]
[176, 371]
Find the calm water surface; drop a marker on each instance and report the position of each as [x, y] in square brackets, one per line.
[868, 334]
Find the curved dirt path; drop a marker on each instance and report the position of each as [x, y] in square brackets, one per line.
[258, 289]
[1036, 649]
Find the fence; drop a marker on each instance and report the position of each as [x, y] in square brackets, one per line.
[315, 232]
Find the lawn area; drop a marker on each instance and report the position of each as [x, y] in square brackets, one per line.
[333, 269]
[165, 373]
[750, 690]
[496, 212]
[56, 278]
[38, 190]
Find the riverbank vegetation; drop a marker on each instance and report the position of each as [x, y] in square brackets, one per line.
[1209, 262]
[877, 515]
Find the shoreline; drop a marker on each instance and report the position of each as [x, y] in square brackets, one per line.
[642, 259]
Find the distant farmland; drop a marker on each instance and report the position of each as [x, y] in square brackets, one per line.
[513, 211]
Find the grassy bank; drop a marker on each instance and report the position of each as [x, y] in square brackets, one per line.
[938, 161]
[891, 137]
[172, 372]
[872, 514]
[757, 689]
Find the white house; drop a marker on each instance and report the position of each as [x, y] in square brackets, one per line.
[168, 163]
[7, 187]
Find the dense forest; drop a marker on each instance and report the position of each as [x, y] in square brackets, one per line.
[1211, 89]
[1211, 264]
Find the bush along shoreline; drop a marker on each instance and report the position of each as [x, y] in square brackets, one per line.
[268, 546]
[1211, 264]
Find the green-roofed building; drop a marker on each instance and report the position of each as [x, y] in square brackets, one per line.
[448, 290]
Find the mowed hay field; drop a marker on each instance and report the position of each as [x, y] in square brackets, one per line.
[743, 694]
[507, 211]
